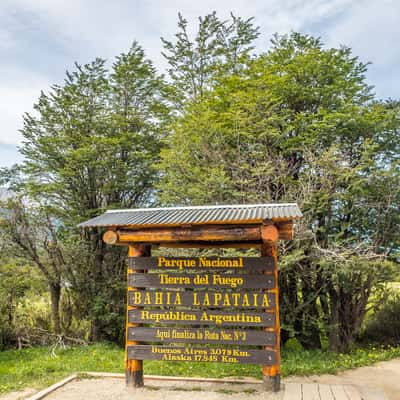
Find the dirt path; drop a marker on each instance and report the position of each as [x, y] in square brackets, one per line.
[22, 394]
[114, 389]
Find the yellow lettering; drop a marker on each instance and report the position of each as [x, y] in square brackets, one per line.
[147, 299]
[137, 297]
[227, 300]
[255, 298]
[265, 302]
[159, 298]
[235, 297]
[217, 298]
[177, 301]
[161, 261]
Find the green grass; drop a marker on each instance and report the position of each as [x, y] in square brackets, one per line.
[38, 368]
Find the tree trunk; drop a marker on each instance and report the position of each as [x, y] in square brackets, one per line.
[55, 296]
[309, 336]
[98, 246]
[333, 326]
[289, 303]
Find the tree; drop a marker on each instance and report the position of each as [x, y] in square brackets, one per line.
[218, 47]
[15, 281]
[28, 233]
[91, 146]
[299, 123]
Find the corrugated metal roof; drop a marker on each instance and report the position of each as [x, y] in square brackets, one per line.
[150, 217]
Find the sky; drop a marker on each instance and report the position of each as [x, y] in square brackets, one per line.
[41, 39]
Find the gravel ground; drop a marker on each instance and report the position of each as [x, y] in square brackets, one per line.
[115, 389]
[22, 394]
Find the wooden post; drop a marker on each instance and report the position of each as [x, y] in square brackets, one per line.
[271, 374]
[134, 368]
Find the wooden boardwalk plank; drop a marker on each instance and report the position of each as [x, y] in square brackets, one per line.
[325, 392]
[314, 391]
[352, 392]
[369, 393]
[339, 393]
[292, 391]
[310, 391]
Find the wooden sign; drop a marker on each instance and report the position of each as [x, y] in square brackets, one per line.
[201, 299]
[211, 301]
[201, 354]
[213, 309]
[237, 264]
[201, 335]
[204, 317]
[212, 280]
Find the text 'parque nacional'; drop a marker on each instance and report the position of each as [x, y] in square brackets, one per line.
[238, 264]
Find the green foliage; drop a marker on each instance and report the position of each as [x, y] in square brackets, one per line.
[250, 136]
[90, 146]
[93, 141]
[18, 282]
[383, 326]
[299, 123]
[296, 123]
[317, 362]
[217, 47]
[42, 366]
[30, 233]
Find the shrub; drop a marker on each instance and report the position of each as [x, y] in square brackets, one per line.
[384, 326]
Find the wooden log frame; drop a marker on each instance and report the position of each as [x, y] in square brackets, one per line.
[203, 236]
[264, 236]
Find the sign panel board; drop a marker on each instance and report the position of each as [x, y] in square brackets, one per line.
[201, 299]
[203, 317]
[229, 305]
[201, 335]
[202, 354]
[202, 280]
[237, 264]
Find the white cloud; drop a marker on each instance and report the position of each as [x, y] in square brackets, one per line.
[65, 31]
[109, 27]
[371, 29]
[19, 90]
[9, 155]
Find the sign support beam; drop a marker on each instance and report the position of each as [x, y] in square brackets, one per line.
[134, 368]
[269, 248]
